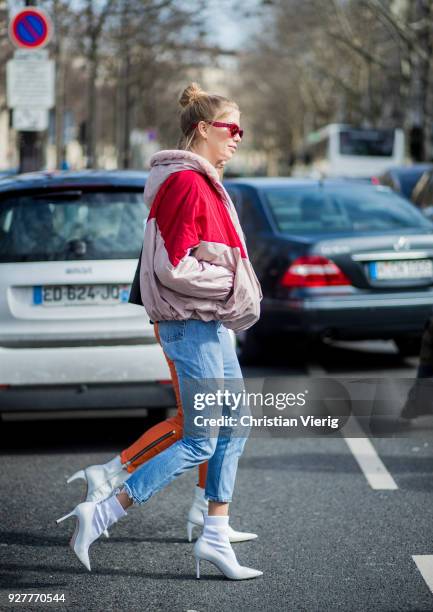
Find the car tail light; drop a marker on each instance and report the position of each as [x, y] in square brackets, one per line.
[313, 271]
[166, 381]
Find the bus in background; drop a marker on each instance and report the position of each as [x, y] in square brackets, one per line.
[340, 150]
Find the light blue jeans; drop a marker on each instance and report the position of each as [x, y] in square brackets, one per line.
[205, 362]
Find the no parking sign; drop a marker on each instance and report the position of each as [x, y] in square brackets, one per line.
[31, 28]
[30, 75]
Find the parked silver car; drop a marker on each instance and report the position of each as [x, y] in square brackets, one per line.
[69, 339]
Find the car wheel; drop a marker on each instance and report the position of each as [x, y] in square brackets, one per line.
[408, 346]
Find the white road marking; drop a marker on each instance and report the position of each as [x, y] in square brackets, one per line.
[425, 565]
[367, 458]
[361, 447]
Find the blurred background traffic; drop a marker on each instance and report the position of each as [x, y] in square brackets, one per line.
[293, 68]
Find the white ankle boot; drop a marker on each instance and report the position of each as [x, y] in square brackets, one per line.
[101, 479]
[195, 519]
[93, 518]
[214, 546]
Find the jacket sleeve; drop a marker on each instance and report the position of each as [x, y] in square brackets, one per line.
[177, 269]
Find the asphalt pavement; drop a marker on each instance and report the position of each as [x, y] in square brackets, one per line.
[340, 527]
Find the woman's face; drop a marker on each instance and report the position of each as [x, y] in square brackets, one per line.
[216, 143]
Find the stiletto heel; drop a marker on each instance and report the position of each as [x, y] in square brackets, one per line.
[91, 491]
[101, 480]
[214, 546]
[198, 568]
[189, 527]
[92, 519]
[80, 475]
[60, 520]
[225, 561]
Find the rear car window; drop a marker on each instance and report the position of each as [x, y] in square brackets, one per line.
[408, 179]
[349, 208]
[71, 225]
[423, 192]
[375, 143]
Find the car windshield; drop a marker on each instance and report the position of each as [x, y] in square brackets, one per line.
[71, 225]
[349, 208]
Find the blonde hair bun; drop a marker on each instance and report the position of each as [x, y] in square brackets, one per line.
[191, 94]
[199, 105]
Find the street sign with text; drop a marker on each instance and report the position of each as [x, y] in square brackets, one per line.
[30, 83]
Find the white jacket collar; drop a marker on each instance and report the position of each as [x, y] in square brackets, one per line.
[164, 163]
[184, 160]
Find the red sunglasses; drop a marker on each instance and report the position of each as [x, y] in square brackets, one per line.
[233, 127]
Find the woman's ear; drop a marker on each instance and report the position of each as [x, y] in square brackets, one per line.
[202, 128]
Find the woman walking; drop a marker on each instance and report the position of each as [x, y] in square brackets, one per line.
[196, 281]
[102, 479]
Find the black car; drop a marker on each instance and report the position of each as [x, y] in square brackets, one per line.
[402, 179]
[4, 174]
[336, 259]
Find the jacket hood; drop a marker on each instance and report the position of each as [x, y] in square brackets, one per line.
[164, 163]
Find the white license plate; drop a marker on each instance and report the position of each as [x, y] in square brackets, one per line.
[401, 269]
[80, 295]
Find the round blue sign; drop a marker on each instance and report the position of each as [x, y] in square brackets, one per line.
[30, 28]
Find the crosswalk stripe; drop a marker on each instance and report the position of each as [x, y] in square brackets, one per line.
[367, 457]
[425, 565]
[362, 448]
[371, 464]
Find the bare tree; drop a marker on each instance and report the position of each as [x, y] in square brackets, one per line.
[136, 52]
[6, 51]
[413, 26]
[366, 62]
[63, 23]
[93, 20]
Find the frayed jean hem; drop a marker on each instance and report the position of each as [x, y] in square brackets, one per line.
[130, 493]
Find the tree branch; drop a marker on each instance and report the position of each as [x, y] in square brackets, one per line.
[359, 50]
[404, 30]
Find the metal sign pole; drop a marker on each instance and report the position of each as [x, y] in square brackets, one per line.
[31, 144]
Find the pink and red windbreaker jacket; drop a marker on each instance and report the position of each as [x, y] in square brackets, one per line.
[194, 262]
